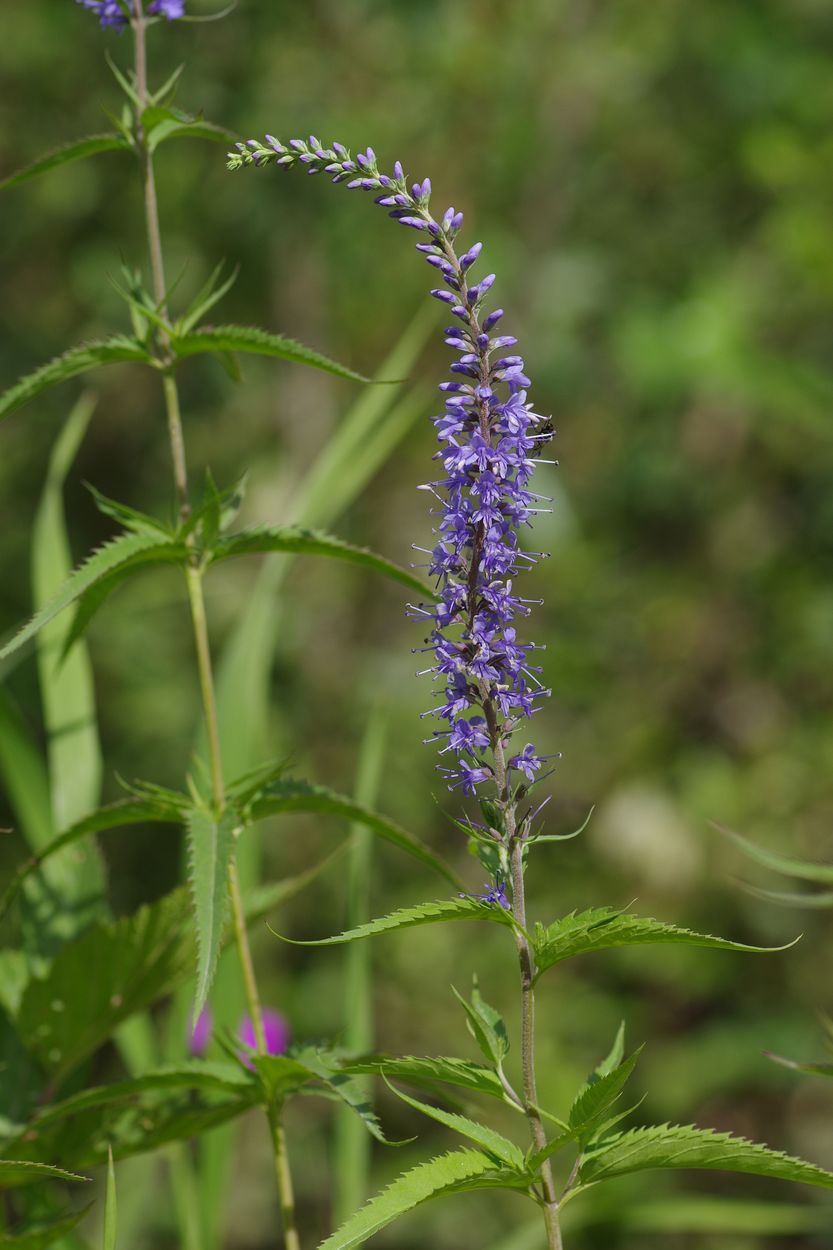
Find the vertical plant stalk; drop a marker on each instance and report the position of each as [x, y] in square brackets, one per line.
[196, 601]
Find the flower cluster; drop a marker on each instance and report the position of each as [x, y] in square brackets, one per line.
[117, 12]
[489, 437]
[275, 1028]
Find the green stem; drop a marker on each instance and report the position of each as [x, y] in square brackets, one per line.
[196, 599]
[530, 1087]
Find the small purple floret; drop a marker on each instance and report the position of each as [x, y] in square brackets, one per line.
[200, 1035]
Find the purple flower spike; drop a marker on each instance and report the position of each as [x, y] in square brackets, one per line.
[200, 1034]
[276, 1029]
[489, 436]
[109, 12]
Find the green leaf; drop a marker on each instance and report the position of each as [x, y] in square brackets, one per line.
[40, 1235]
[337, 1084]
[76, 878]
[351, 1146]
[684, 1146]
[78, 150]
[290, 538]
[133, 520]
[205, 299]
[258, 342]
[67, 1014]
[428, 1071]
[188, 130]
[300, 796]
[77, 360]
[504, 1150]
[195, 1074]
[93, 580]
[410, 917]
[113, 816]
[485, 1024]
[599, 928]
[24, 776]
[210, 849]
[22, 1172]
[457, 1172]
[597, 1096]
[616, 1053]
[108, 1239]
[803, 869]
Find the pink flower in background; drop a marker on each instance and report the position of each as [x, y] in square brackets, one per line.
[276, 1029]
[200, 1034]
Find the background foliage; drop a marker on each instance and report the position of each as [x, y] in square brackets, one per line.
[654, 185]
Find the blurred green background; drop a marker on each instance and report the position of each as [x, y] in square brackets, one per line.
[654, 185]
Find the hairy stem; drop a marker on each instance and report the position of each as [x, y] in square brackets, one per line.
[530, 1087]
[196, 599]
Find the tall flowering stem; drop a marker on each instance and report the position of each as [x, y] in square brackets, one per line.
[490, 437]
[138, 21]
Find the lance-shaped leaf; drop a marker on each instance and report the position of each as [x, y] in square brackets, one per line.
[457, 1172]
[93, 580]
[300, 796]
[598, 1095]
[685, 1146]
[160, 123]
[410, 917]
[21, 1172]
[72, 363]
[504, 1150]
[429, 1071]
[257, 342]
[298, 541]
[790, 866]
[599, 928]
[210, 848]
[78, 150]
[485, 1024]
[43, 1233]
[113, 816]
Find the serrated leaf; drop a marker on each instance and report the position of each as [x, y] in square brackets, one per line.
[41, 1234]
[78, 150]
[93, 579]
[427, 1071]
[486, 1025]
[210, 848]
[130, 518]
[504, 1150]
[258, 342]
[789, 865]
[15, 1172]
[65, 1015]
[599, 1094]
[112, 816]
[69, 365]
[685, 1146]
[600, 928]
[290, 538]
[173, 129]
[409, 918]
[457, 1172]
[301, 796]
[346, 1089]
